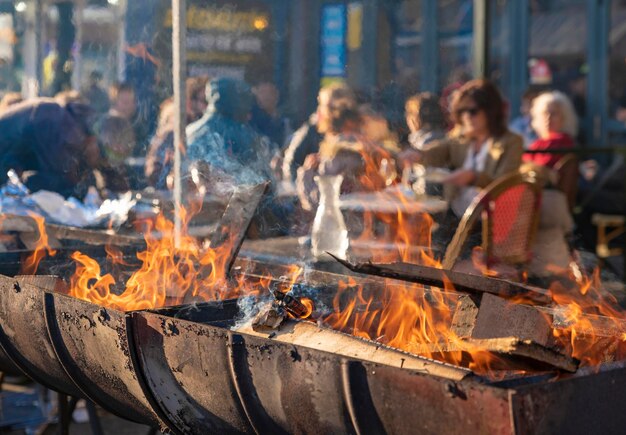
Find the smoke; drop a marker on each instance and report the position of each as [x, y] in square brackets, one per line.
[210, 153]
[249, 307]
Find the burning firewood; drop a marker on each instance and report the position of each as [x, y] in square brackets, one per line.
[521, 333]
[462, 282]
[283, 306]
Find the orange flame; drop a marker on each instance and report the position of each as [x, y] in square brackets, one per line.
[592, 324]
[168, 275]
[407, 317]
[588, 324]
[42, 247]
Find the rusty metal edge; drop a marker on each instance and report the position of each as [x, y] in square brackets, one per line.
[259, 420]
[57, 345]
[11, 351]
[365, 419]
[165, 423]
[65, 359]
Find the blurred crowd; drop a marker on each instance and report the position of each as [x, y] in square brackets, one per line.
[236, 132]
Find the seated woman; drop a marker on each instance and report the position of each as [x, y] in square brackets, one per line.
[343, 150]
[481, 147]
[554, 120]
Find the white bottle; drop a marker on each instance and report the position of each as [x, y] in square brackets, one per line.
[329, 232]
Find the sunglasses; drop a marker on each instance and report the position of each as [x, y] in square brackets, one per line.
[471, 111]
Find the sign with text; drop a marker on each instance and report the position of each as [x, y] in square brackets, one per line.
[333, 41]
[224, 39]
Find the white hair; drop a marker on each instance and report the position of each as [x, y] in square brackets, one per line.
[540, 104]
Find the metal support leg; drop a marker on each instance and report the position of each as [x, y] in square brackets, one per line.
[94, 420]
[65, 415]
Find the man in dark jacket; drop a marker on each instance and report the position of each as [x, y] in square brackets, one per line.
[52, 140]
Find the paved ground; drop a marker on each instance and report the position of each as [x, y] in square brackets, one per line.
[21, 412]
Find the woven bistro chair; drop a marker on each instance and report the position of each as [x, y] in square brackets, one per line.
[567, 177]
[509, 209]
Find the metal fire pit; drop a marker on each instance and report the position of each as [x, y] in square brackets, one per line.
[24, 335]
[189, 370]
[92, 344]
[215, 373]
[208, 378]
[219, 380]
[184, 370]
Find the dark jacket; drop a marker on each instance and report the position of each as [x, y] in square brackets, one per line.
[44, 136]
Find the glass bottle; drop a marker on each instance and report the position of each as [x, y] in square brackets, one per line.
[329, 232]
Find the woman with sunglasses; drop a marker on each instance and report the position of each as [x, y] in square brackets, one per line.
[480, 148]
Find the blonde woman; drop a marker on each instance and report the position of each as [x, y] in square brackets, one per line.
[556, 124]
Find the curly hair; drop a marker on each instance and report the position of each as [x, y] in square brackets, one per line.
[426, 109]
[485, 96]
[342, 107]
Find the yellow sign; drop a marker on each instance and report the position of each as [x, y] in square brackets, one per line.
[223, 19]
[233, 58]
[355, 26]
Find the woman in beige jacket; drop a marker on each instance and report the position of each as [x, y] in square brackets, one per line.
[479, 149]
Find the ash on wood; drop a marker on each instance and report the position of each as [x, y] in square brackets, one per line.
[310, 335]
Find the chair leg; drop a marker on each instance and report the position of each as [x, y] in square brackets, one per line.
[94, 420]
[65, 414]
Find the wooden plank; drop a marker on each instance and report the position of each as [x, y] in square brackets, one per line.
[237, 218]
[94, 237]
[461, 281]
[524, 354]
[510, 353]
[310, 335]
[20, 224]
[49, 283]
[494, 317]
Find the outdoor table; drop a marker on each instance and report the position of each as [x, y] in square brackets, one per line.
[391, 202]
[385, 219]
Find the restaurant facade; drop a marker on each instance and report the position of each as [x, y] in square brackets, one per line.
[386, 49]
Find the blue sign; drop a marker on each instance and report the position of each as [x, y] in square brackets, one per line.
[333, 43]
